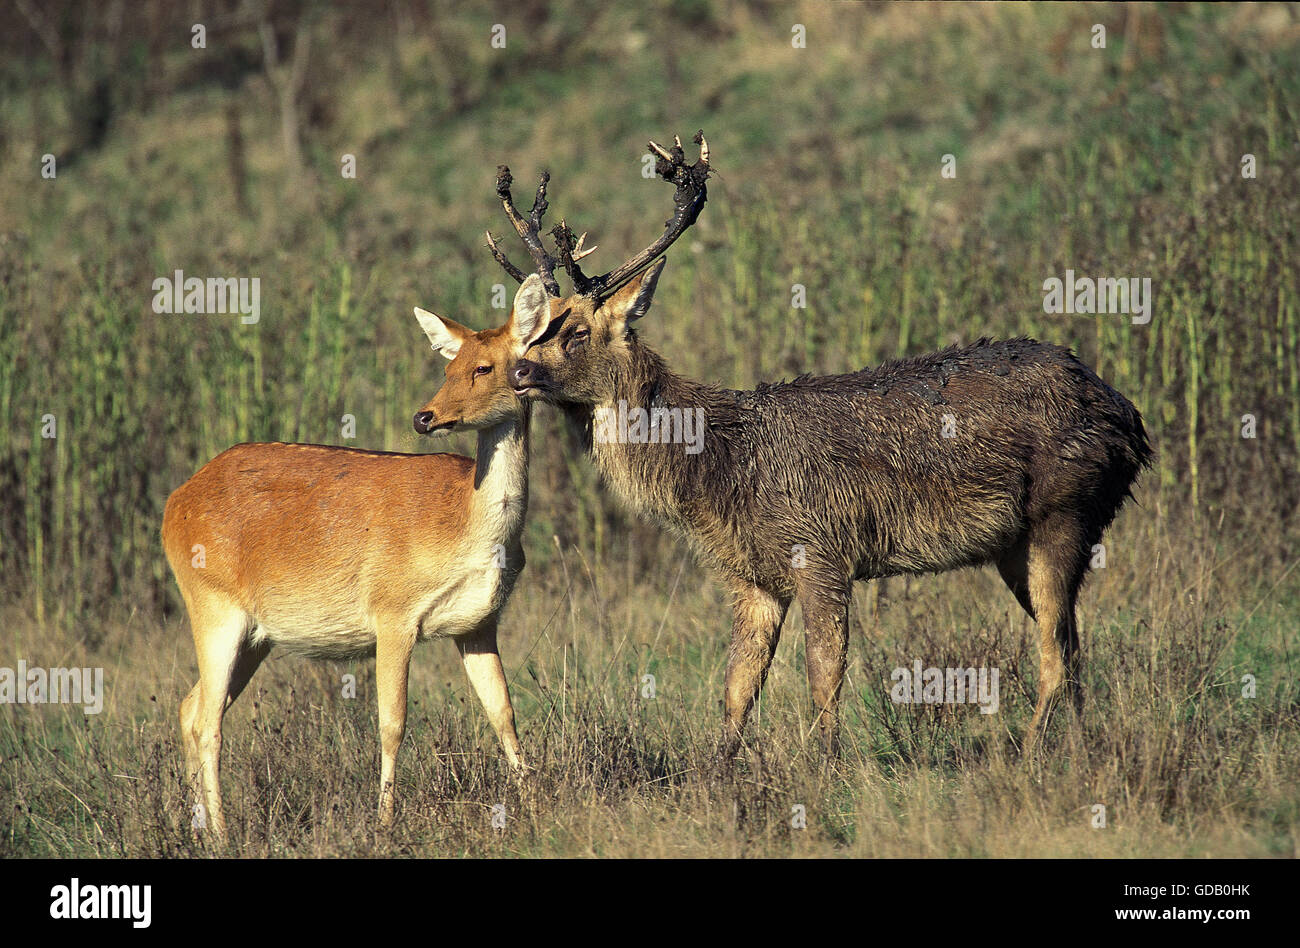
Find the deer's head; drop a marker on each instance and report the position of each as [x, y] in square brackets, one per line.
[576, 357]
[477, 392]
[581, 354]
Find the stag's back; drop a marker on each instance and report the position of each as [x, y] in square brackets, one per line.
[919, 465]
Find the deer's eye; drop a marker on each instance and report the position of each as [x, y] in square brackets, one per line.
[482, 370]
[578, 338]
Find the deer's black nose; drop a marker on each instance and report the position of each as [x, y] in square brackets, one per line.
[423, 421]
[524, 374]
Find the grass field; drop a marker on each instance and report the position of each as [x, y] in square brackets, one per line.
[1122, 161]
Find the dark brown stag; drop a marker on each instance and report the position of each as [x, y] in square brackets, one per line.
[1011, 452]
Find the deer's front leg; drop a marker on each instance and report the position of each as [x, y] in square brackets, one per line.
[755, 632]
[392, 666]
[478, 651]
[824, 600]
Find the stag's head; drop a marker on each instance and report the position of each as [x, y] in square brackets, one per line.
[578, 355]
[581, 354]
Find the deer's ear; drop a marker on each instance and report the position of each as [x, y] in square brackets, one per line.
[444, 335]
[532, 311]
[633, 300]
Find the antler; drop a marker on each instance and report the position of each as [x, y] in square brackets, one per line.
[528, 231]
[688, 199]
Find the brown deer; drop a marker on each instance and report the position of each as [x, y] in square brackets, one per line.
[1012, 453]
[335, 553]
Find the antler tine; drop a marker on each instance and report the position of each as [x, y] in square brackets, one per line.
[570, 253]
[578, 251]
[528, 231]
[688, 200]
[540, 204]
[510, 268]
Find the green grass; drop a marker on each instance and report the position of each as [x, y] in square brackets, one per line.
[1117, 162]
[1184, 764]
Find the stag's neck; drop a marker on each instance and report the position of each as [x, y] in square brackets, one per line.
[656, 479]
[501, 477]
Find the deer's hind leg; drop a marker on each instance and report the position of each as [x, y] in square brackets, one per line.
[226, 663]
[1056, 563]
[1013, 567]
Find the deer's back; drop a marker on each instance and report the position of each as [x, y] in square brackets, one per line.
[312, 541]
[920, 465]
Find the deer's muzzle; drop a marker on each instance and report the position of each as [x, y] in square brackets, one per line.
[527, 377]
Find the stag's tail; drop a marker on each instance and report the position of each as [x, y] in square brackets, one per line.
[1138, 453]
[1115, 439]
[1129, 451]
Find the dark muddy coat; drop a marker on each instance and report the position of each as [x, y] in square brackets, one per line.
[1013, 453]
[921, 465]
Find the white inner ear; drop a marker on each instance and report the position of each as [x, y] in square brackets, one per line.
[532, 311]
[640, 305]
[440, 338]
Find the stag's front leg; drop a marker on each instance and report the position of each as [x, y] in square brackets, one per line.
[478, 651]
[755, 632]
[825, 604]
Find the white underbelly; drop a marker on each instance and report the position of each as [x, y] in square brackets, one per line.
[317, 639]
[344, 630]
[467, 603]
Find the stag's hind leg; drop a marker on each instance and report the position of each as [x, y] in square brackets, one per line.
[1056, 563]
[1013, 567]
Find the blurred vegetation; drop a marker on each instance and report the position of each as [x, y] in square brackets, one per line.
[1123, 162]
[225, 161]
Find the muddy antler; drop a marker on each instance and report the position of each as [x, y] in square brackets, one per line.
[688, 199]
[528, 230]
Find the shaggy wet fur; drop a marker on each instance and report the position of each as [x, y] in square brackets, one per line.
[1006, 452]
